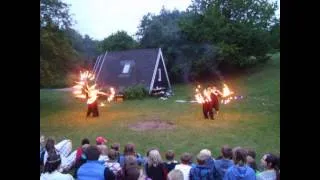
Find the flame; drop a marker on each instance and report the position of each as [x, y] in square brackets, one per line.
[198, 95]
[226, 91]
[202, 97]
[83, 90]
[205, 95]
[111, 96]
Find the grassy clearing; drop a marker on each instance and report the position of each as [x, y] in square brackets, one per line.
[253, 122]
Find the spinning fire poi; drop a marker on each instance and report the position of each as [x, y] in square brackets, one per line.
[209, 99]
[85, 90]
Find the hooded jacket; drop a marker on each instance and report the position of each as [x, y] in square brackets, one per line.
[222, 165]
[237, 172]
[91, 170]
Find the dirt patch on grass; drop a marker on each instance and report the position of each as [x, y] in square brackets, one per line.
[152, 124]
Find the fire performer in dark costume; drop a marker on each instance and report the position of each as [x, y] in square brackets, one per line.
[93, 108]
[212, 103]
[215, 104]
[207, 104]
[86, 89]
[207, 109]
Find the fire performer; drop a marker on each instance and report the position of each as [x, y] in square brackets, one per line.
[209, 98]
[215, 103]
[89, 92]
[93, 108]
[206, 104]
[211, 102]
[207, 109]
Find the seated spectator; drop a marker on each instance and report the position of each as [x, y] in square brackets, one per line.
[131, 170]
[103, 158]
[129, 150]
[82, 159]
[113, 164]
[155, 169]
[209, 161]
[171, 163]
[84, 143]
[42, 148]
[175, 174]
[252, 163]
[147, 154]
[240, 170]
[101, 142]
[251, 160]
[93, 169]
[271, 163]
[145, 158]
[49, 148]
[251, 153]
[224, 163]
[63, 148]
[51, 167]
[185, 166]
[201, 171]
[116, 147]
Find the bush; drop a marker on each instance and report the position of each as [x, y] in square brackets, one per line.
[135, 92]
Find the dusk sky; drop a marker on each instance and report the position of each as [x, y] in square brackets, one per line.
[101, 18]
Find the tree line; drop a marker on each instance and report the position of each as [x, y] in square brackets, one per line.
[208, 37]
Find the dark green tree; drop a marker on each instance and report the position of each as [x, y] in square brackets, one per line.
[118, 41]
[240, 28]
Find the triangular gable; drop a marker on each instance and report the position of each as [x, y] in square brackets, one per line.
[159, 60]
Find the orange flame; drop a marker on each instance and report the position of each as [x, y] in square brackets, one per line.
[202, 97]
[226, 94]
[205, 95]
[84, 91]
[226, 91]
[111, 96]
[198, 95]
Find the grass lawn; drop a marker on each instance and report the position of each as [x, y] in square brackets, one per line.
[252, 122]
